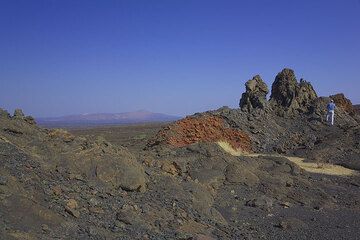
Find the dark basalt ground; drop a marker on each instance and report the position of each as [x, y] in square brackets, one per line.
[193, 192]
[124, 183]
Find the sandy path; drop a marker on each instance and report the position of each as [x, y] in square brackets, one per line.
[321, 168]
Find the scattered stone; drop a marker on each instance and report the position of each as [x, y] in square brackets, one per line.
[128, 217]
[292, 224]
[75, 176]
[148, 162]
[171, 168]
[75, 213]
[57, 190]
[72, 204]
[289, 183]
[262, 202]
[45, 228]
[203, 237]
[238, 173]
[96, 210]
[3, 180]
[285, 204]
[94, 202]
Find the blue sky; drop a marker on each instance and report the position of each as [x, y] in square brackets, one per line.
[60, 57]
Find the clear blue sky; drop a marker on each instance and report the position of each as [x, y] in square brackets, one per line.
[61, 57]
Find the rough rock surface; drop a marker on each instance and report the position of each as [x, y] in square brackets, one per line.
[287, 93]
[303, 131]
[56, 184]
[4, 113]
[342, 102]
[357, 108]
[206, 128]
[18, 113]
[255, 95]
[98, 160]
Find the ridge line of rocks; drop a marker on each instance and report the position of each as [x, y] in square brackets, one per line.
[287, 95]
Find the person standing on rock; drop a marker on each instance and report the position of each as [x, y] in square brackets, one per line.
[330, 112]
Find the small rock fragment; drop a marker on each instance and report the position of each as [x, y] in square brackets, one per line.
[3, 180]
[262, 202]
[96, 210]
[72, 204]
[73, 212]
[57, 190]
[292, 224]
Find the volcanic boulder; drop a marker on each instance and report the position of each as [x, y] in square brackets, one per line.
[290, 95]
[342, 102]
[255, 95]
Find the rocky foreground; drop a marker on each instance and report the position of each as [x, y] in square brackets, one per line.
[221, 174]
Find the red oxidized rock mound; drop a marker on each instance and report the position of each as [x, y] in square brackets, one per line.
[202, 129]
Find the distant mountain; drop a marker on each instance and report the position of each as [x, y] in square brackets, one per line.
[141, 116]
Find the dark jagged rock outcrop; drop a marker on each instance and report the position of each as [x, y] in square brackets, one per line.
[18, 113]
[255, 95]
[283, 90]
[288, 94]
[342, 102]
[4, 113]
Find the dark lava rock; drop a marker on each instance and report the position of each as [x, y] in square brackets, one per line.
[342, 102]
[357, 108]
[195, 189]
[203, 237]
[283, 91]
[287, 93]
[30, 120]
[75, 213]
[114, 166]
[18, 114]
[4, 113]
[238, 173]
[262, 202]
[292, 224]
[3, 180]
[255, 95]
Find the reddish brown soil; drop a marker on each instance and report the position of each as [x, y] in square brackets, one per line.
[203, 129]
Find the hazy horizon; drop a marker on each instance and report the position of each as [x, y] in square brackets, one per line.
[176, 57]
[105, 113]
